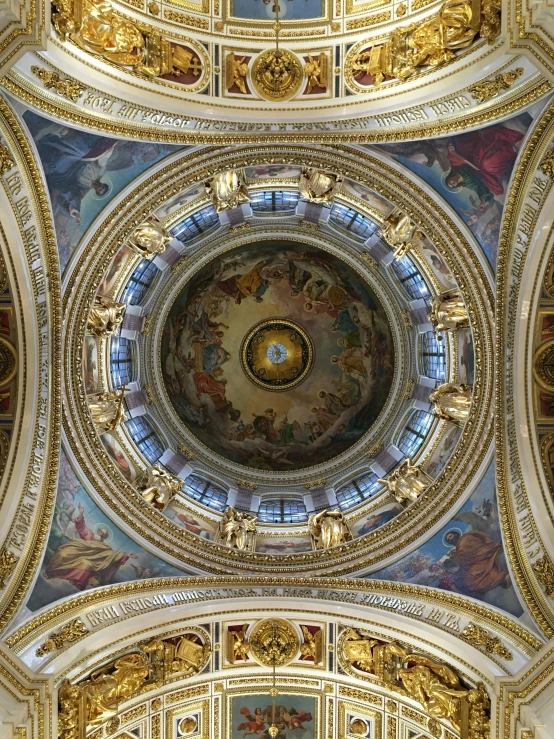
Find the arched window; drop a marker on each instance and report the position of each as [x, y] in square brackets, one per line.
[432, 356]
[122, 361]
[349, 220]
[274, 201]
[415, 433]
[140, 282]
[355, 491]
[196, 224]
[205, 492]
[146, 439]
[282, 510]
[411, 279]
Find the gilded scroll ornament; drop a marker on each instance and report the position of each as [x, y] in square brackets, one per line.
[238, 646]
[6, 160]
[68, 88]
[236, 71]
[452, 402]
[107, 409]
[487, 89]
[317, 186]
[158, 487]
[382, 659]
[328, 529]
[183, 655]
[407, 483]
[547, 164]
[448, 312]
[105, 317]
[543, 365]
[274, 642]
[228, 190]
[544, 570]
[478, 636]
[317, 72]
[237, 530]
[431, 42]
[8, 561]
[69, 633]
[277, 74]
[149, 238]
[400, 232]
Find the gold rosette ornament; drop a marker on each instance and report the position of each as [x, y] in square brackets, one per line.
[277, 74]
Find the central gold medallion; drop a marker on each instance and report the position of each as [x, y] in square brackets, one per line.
[277, 354]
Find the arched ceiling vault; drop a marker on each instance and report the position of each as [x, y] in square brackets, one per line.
[276, 389]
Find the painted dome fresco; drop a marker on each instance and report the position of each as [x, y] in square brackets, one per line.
[275, 395]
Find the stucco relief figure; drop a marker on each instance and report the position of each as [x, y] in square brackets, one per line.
[400, 232]
[452, 402]
[158, 487]
[104, 32]
[238, 529]
[328, 529]
[316, 70]
[448, 312]
[228, 190]
[407, 482]
[317, 186]
[373, 656]
[105, 317]
[105, 688]
[435, 686]
[107, 409]
[149, 238]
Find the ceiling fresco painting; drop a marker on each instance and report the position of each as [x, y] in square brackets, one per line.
[465, 556]
[84, 172]
[471, 171]
[86, 549]
[276, 369]
[336, 403]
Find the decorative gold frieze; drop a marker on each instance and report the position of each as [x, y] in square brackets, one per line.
[6, 160]
[478, 636]
[158, 487]
[408, 391]
[328, 529]
[8, 561]
[407, 483]
[365, 21]
[483, 91]
[452, 402]
[67, 88]
[247, 484]
[547, 164]
[70, 632]
[544, 570]
[320, 482]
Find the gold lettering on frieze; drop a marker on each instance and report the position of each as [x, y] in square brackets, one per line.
[451, 105]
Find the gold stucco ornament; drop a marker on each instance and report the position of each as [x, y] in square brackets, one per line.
[317, 186]
[105, 317]
[400, 232]
[228, 190]
[158, 487]
[277, 74]
[107, 409]
[237, 530]
[328, 529]
[274, 642]
[452, 402]
[448, 312]
[407, 483]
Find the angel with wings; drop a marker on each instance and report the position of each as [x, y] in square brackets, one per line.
[254, 724]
